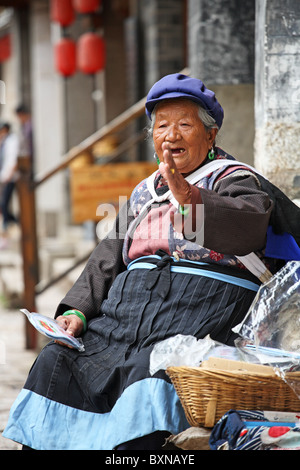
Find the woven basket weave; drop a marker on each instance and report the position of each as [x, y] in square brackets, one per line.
[207, 394]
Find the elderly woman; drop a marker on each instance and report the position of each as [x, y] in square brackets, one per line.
[171, 266]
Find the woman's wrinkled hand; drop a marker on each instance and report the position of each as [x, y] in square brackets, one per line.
[72, 324]
[180, 188]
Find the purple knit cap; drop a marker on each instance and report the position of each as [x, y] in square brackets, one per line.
[181, 86]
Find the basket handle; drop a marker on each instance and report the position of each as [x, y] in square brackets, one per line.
[210, 415]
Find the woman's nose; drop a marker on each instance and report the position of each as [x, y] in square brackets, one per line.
[172, 133]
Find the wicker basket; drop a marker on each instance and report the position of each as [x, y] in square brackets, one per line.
[207, 394]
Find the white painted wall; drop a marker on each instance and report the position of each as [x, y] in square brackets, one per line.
[9, 89]
[47, 109]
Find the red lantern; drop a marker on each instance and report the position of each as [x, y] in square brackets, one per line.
[5, 48]
[62, 12]
[91, 53]
[86, 6]
[65, 57]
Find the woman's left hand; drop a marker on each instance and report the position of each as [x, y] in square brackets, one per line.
[180, 188]
[71, 324]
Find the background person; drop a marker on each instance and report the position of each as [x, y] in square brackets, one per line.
[9, 148]
[26, 134]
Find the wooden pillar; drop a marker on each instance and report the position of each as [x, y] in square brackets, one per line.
[27, 206]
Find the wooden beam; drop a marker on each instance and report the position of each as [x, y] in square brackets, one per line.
[114, 126]
[14, 3]
[29, 243]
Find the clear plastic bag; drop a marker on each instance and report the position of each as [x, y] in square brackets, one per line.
[270, 332]
[185, 350]
[273, 319]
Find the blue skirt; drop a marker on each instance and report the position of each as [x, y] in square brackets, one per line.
[105, 396]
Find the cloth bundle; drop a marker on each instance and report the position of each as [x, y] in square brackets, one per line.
[249, 430]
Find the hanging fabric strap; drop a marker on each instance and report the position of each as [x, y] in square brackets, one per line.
[160, 276]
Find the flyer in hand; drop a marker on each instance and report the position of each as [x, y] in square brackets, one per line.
[51, 328]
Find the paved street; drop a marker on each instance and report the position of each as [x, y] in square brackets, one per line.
[15, 359]
[15, 362]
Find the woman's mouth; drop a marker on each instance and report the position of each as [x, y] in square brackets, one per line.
[177, 151]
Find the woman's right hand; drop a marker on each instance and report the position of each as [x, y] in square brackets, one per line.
[180, 188]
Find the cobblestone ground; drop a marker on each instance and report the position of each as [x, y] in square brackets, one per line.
[15, 362]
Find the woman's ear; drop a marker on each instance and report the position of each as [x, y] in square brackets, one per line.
[212, 133]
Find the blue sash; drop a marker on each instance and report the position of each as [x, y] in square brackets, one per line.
[193, 267]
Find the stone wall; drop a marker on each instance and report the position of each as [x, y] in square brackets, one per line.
[221, 52]
[221, 40]
[162, 27]
[277, 99]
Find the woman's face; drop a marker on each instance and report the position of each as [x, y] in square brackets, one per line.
[177, 122]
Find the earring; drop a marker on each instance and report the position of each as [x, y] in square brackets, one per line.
[156, 158]
[211, 154]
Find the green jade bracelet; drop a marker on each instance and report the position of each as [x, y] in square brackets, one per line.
[184, 211]
[79, 315]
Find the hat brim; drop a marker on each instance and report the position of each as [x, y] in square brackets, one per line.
[150, 105]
